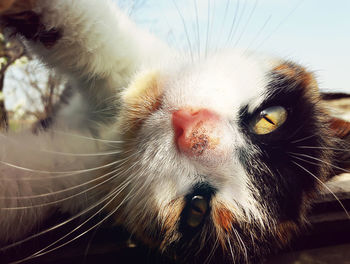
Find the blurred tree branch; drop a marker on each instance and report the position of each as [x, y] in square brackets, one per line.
[42, 89]
[10, 51]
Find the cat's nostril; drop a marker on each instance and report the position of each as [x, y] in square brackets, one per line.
[193, 130]
[178, 131]
[183, 119]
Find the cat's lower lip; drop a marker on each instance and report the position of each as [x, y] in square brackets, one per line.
[197, 210]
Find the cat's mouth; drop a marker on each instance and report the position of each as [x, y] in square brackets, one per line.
[197, 207]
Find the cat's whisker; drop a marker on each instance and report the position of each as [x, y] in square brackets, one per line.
[211, 254]
[233, 24]
[295, 132]
[185, 29]
[105, 110]
[260, 31]
[111, 99]
[116, 173]
[325, 186]
[325, 162]
[243, 246]
[106, 106]
[47, 249]
[230, 247]
[191, 148]
[227, 7]
[247, 23]
[60, 174]
[307, 161]
[89, 244]
[87, 138]
[302, 139]
[67, 153]
[239, 20]
[82, 154]
[61, 132]
[207, 30]
[63, 199]
[325, 148]
[273, 32]
[197, 29]
[60, 191]
[81, 213]
[212, 27]
[202, 242]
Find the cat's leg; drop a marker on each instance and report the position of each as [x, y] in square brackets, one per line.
[99, 49]
[91, 41]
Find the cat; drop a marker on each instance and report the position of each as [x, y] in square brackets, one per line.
[215, 159]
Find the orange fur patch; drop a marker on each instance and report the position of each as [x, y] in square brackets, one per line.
[287, 70]
[223, 217]
[298, 74]
[140, 100]
[285, 232]
[340, 127]
[170, 218]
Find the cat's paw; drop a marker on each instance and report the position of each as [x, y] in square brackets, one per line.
[19, 17]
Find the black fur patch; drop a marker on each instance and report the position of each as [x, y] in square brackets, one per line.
[281, 188]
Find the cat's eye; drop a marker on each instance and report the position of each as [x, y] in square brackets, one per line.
[269, 120]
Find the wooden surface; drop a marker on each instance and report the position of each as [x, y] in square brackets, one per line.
[328, 239]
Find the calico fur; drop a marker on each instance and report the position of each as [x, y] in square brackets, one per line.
[113, 147]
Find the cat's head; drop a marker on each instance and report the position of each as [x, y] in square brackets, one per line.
[222, 157]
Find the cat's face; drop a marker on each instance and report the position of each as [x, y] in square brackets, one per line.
[217, 167]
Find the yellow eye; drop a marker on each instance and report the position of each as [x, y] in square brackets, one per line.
[269, 120]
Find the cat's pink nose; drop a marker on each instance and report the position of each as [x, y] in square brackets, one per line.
[195, 130]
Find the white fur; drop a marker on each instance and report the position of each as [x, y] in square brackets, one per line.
[223, 84]
[100, 51]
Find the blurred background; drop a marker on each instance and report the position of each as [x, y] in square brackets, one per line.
[310, 32]
[313, 33]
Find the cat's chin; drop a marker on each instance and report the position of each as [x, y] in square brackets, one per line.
[204, 222]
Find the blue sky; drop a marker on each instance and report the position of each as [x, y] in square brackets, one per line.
[313, 33]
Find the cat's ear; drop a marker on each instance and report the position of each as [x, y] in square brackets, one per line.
[340, 128]
[341, 131]
[139, 100]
